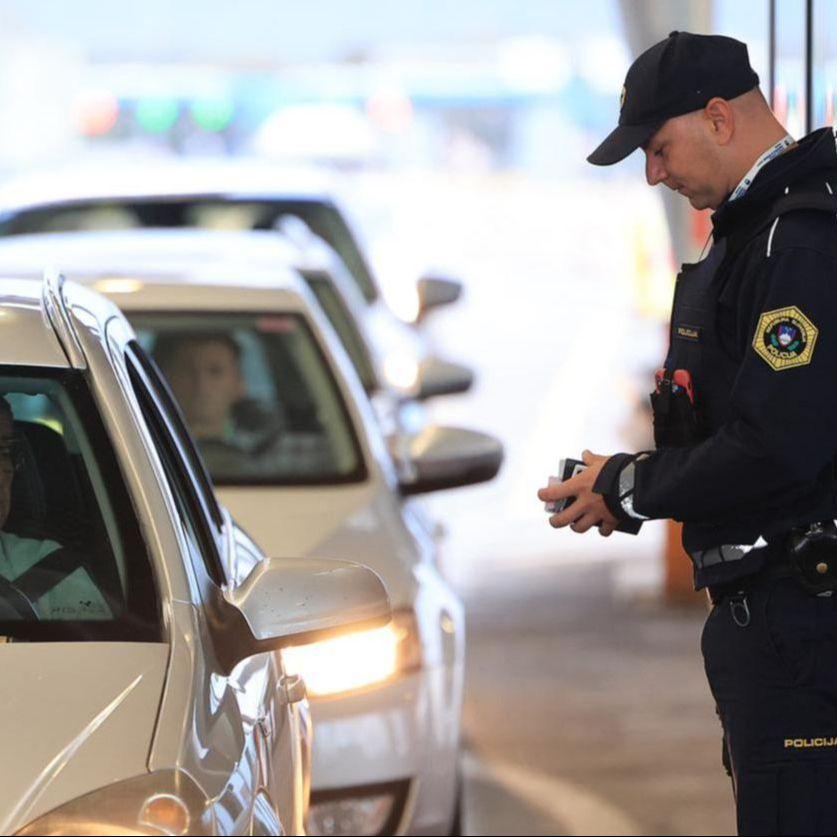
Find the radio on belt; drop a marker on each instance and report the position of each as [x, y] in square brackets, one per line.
[567, 469]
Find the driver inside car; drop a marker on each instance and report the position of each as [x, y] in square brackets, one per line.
[204, 372]
[74, 596]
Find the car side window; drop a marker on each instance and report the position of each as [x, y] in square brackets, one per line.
[344, 324]
[183, 480]
[158, 385]
[73, 563]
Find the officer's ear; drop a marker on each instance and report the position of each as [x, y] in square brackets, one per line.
[720, 120]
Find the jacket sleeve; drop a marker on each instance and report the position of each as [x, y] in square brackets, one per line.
[781, 430]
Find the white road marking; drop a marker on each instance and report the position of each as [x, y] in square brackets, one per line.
[574, 809]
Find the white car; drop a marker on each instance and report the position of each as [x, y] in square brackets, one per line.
[396, 374]
[143, 689]
[244, 196]
[298, 457]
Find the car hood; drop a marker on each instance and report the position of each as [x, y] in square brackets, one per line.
[75, 717]
[350, 523]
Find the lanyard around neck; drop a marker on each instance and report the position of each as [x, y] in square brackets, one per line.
[771, 153]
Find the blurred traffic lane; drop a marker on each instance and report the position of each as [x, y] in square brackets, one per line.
[569, 680]
[502, 796]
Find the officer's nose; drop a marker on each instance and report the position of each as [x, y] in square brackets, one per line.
[655, 171]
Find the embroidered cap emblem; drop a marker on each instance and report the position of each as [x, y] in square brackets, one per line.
[784, 338]
[622, 96]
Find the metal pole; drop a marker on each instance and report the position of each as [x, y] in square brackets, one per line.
[771, 95]
[809, 66]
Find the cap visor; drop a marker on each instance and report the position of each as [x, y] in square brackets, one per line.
[621, 142]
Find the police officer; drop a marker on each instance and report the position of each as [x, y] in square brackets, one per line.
[745, 418]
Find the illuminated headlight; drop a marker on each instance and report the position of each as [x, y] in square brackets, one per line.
[358, 660]
[163, 802]
[369, 810]
[118, 285]
[404, 301]
[402, 373]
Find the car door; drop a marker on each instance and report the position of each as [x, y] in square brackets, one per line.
[265, 778]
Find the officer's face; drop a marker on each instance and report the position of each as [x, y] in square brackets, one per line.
[682, 156]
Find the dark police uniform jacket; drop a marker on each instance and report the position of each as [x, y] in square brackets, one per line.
[757, 330]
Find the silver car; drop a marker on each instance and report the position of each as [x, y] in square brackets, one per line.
[296, 454]
[140, 629]
[253, 196]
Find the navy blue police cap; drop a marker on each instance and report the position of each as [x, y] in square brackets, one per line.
[676, 76]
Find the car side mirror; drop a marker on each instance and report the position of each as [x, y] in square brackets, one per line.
[435, 292]
[450, 457]
[295, 601]
[442, 377]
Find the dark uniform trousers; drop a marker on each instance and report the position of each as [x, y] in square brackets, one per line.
[771, 662]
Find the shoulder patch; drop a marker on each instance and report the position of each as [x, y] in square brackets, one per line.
[785, 338]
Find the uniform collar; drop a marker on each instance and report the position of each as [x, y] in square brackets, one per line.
[771, 153]
[813, 155]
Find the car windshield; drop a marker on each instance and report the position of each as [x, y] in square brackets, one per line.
[257, 395]
[73, 565]
[225, 213]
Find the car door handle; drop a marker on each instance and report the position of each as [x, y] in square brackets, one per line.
[292, 689]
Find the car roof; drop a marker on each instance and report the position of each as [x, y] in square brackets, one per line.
[149, 180]
[29, 322]
[170, 268]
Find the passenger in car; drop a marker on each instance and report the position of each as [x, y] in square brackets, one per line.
[62, 590]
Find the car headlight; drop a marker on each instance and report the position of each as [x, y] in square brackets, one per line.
[163, 802]
[367, 810]
[402, 373]
[359, 659]
[404, 300]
